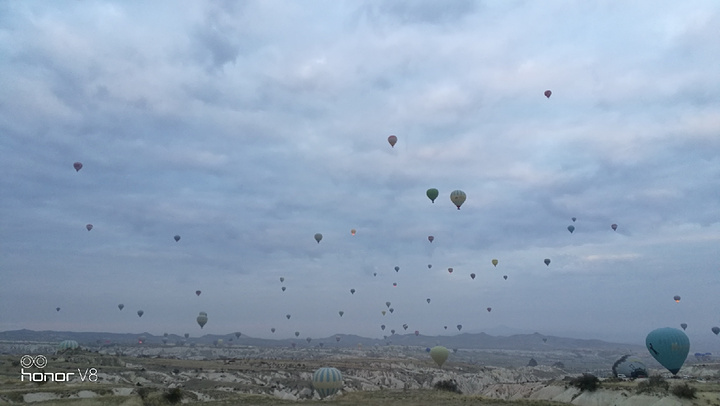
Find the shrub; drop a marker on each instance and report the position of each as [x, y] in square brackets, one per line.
[654, 384]
[586, 382]
[684, 391]
[173, 396]
[449, 385]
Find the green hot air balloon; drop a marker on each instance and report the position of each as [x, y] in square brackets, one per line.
[202, 319]
[439, 354]
[432, 194]
[67, 345]
[669, 346]
[458, 198]
[327, 381]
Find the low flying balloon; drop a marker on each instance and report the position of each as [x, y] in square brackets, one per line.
[458, 198]
[297, 334]
[472, 276]
[505, 277]
[177, 238]
[489, 309]
[676, 298]
[439, 354]
[327, 381]
[198, 292]
[547, 261]
[715, 330]
[459, 327]
[121, 306]
[318, 237]
[548, 93]
[337, 338]
[669, 346]
[392, 331]
[405, 326]
[432, 194]
[352, 291]
[288, 316]
[202, 319]
[77, 166]
[571, 228]
[431, 238]
[397, 269]
[614, 227]
[89, 227]
[544, 340]
[494, 262]
[353, 231]
[683, 325]
[140, 313]
[341, 313]
[392, 140]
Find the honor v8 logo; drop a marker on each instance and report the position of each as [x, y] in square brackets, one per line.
[35, 373]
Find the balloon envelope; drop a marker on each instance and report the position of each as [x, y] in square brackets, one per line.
[548, 93]
[177, 238]
[77, 166]
[458, 197]
[121, 306]
[432, 194]
[614, 227]
[571, 228]
[89, 227]
[140, 313]
[202, 319]
[198, 292]
[547, 261]
[439, 354]
[392, 140]
[353, 231]
[676, 298]
[431, 238]
[327, 381]
[573, 219]
[318, 237]
[716, 330]
[472, 275]
[494, 262]
[683, 325]
[669, 346]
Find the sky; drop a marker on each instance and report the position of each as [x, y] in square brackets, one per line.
[248, 127]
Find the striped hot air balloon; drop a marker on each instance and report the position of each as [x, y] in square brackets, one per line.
[327, 381]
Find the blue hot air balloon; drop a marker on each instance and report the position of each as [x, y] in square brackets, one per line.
[669, 346]
[327, 381]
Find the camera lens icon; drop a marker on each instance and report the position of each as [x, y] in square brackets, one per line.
[28, 360]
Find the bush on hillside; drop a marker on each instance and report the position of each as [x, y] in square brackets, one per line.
[586, 382]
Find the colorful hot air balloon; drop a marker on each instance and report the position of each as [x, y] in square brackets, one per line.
[494, 262]
[547, 261]
[392, 140]
[458, 198]
[431, 238]
[121, 306]
[89, 227]
[683, 325]
[439, 354]
[327, 381]
[432, 194]
[177, 238]
[669, 346]
[202, 319]
[353, 231]
[140, 313]
[614, 227]
[676, 298]
[77, 166]
[548, 93]
[571, 228]
[472, 276]
[318, 237]
[394, 284]
[352, 291]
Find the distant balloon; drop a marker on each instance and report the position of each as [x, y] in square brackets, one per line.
[505, 277]
[432, 194]
[676, 298]
[198, 292]
[382, 327]
[392, 140]
[392, 331]
[472, 276]
[297, 334]
[715, 330]
[494, 262]
[683, 325]
[308, 340]
[397, 269]
[429, 266]
[177, 238]
[282, 279]
[238, 334]
[431, 238]
[458, 198]
[374, 273]
[547, 261]
[77, 166]
[388, 304]
[337, 338]
[669, 346]
[121, 306]
[89, 227]
[445, 327]
[391, 310]
[352, 291]
[283, 288]
[202, 319]
[57, 309]
[318, 237]
[573, 219]
[489, 309]
[394, 284]
[327, 381]
[450, 270]
[272, 330]
[571, 228]
[439, 354]
[459, 327]
[288, 316]
[187, 335]
[544, 340]
[614, 227]
[341, 313]
[548, 93]
[140, 313]
[428, 300]
[383, 312]
[353, 231]
[417, 333]
[405, 326]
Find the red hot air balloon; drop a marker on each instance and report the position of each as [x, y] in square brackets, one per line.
[614, 227]
[77, 166]
[548, 93]
[392, 140]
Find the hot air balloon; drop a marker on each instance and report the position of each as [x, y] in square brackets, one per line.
[382, 327]
[676, 298]
[439, 354]
[187, 335]
[392, 331]
[458, 198]
[297, 334]
[352, 291]
[288, 316]
[431, 238]
[89, 227]
[391, 310]
[308, 340]
[715, 330]
[571, 228]
[669, 346]
[548, 93]
[293, 345]
[164, 340]
[202, 319]
[374, 273]
[450, 270]
[405, 326]
[327, 381]
[272, 329]
[57, 309]
[337, 338]
[397, 269]
[394, 284]
[238, 334]
[494, 262]
[121, 306]
[547, 261]
[472, 276]
[428, 300]
[283, 288]
[318, 237]
[63, 346]
[341, 313]
[417, 333]
[614, 227]
[505, 277]
[573, 219]
[198, 292]
[489, 309]
[432, 194]
[140, 313]
[683, 325]
[459, 327]
[392, 140]
[77, 166]
[282, 279]
[388, 304]
[177, 238]
[429, 266]
[383, 312]
[353, 231]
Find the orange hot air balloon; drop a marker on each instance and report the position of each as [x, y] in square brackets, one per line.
[392, 140]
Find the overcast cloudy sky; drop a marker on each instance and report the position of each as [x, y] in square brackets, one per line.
[247, 127]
